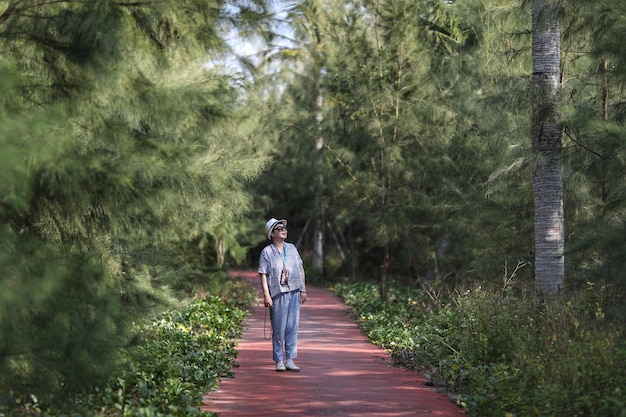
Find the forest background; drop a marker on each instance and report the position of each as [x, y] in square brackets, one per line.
[139, 165]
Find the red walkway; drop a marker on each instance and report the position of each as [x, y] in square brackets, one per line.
[342, 373]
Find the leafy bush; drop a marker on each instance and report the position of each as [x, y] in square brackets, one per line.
[183, 355]
[503, 353]
[179, 357]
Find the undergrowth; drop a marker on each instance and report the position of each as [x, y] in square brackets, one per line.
[502, 353]
[179, 356]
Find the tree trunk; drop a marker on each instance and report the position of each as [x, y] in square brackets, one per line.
[318, 238]
[318, 234]
[354, 261]
[547, 146]
[384, 270]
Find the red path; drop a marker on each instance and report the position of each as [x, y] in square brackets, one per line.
[342, 375]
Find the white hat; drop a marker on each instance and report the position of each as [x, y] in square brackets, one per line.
[271, 223]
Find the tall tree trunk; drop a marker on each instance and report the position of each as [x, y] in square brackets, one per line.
[547, 146]
[318, 237]
[318, 233]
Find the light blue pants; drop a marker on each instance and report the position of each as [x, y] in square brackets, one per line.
[285, 317]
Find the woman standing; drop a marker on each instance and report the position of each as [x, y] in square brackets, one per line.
[283, 283]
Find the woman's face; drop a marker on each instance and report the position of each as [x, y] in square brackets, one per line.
[280, 231]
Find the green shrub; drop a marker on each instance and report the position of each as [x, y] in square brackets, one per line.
[503, 353]
[182, 356]
[178, 357]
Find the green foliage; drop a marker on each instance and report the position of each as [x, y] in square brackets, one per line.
[425, 122]
[594, 120]
[409, 139]
[178, 357]
[192, 347]
[61, 323]
[122, 153]
[503, 352]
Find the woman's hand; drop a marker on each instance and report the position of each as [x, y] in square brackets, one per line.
[268, 301]
[302, 297]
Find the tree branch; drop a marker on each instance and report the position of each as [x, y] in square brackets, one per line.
[581, 145]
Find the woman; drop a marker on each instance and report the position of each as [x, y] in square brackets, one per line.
[283, 283]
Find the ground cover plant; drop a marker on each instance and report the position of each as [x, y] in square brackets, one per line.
[501, 352]
[179, 356]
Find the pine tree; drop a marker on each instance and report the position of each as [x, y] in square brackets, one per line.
[120, 144]
[390, 117]
[593, 75]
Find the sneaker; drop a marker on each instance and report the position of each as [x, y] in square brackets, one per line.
[280, 366]
[291, 366]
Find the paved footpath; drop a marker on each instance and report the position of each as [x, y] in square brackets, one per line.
[342, 375]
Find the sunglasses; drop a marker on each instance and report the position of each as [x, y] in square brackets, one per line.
[280, 229]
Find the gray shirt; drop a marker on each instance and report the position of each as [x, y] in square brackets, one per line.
[271, 264]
